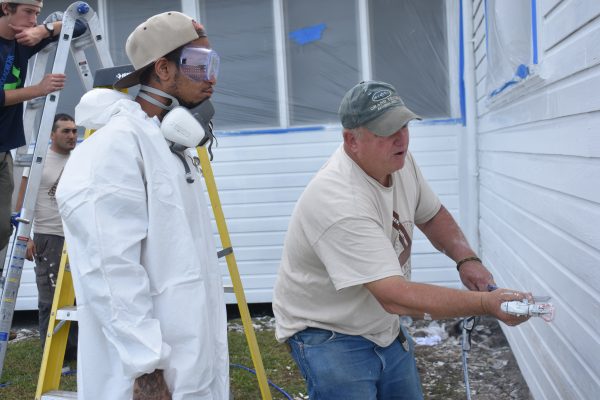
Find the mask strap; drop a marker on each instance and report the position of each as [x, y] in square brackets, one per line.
[144, 88]
[210, 139]
[188, 172]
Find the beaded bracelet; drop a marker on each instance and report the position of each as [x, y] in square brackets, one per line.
[464, 260]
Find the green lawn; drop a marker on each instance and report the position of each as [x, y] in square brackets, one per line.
[23, 360]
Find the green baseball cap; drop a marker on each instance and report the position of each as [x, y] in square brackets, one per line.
[376, 106]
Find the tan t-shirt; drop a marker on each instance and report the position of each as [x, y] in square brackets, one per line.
[346, 230]
[46, 217]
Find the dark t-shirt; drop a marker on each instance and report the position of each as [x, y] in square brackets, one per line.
[11, 117]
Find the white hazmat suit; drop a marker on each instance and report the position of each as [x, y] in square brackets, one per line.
[143, 257]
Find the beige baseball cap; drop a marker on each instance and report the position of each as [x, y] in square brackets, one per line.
[38, 3]
[153, 39]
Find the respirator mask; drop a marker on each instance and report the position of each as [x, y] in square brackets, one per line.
[184, 128]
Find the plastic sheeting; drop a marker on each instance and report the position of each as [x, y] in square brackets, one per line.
[412, 44]
[409, 41]
[509, 43]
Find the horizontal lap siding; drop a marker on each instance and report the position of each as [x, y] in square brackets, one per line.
[539, 159]
[261, 176]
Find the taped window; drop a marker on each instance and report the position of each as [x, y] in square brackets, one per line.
[289, 63]
[510, 43]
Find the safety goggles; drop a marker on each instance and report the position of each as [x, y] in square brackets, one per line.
[199, 64]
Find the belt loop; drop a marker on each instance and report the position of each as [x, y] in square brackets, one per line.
[403, 340]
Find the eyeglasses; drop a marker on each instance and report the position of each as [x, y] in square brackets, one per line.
[199, 63]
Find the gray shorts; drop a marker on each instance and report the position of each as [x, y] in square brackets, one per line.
[47, 261]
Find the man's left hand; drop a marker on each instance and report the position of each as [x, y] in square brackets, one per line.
[475, 276]
[30, 36]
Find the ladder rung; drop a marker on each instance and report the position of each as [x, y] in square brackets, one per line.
[224, 252]
[228, 288]
[83, 41]
[23, 160]
[67, 313]
[59, 395]
[35, 103]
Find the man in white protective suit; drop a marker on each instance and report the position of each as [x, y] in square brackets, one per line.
[148, 286]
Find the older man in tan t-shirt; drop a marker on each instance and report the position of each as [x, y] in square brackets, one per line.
[344, 278]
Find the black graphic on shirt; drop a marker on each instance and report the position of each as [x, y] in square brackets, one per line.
[402, 243]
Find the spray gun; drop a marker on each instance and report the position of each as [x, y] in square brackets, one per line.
[540, 307]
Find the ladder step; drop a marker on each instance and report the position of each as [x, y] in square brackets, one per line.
[23, 160]
[36, 103]
[67, 313]
[59, 395]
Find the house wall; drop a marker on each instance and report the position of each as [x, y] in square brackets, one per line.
[260, 177]
[539, 169]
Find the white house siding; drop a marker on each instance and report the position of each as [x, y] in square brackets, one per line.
[539, 159]
[260, 177]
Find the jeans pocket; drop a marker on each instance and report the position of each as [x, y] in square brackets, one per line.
[314, 336]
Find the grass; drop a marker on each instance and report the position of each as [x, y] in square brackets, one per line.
[23, 359]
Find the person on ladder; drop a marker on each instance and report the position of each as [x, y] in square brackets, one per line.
[150, 302]
[20, 38]
[48, 239]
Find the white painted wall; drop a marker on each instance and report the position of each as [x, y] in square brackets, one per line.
[260, 177]
[539, 158]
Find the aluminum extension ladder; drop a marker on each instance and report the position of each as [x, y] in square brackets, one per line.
[93, 37]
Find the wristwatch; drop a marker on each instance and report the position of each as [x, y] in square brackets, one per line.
[50, 28]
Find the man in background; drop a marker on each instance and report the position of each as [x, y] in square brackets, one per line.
[48, 237]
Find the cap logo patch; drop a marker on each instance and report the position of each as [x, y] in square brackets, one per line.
[380, 95]
[122, 74]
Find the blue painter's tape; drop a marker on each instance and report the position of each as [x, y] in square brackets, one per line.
[447, 121]
[308, 34]
[461, 69]
[3, 336]
[521, 73]
[534, 32]
[269, 131]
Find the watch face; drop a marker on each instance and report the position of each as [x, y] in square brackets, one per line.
[50, 26]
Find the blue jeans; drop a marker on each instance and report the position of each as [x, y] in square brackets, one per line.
[338, 366]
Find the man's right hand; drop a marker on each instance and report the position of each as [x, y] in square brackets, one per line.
[491, 302]
[31, 253]
[51, 83]
[151, 387]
